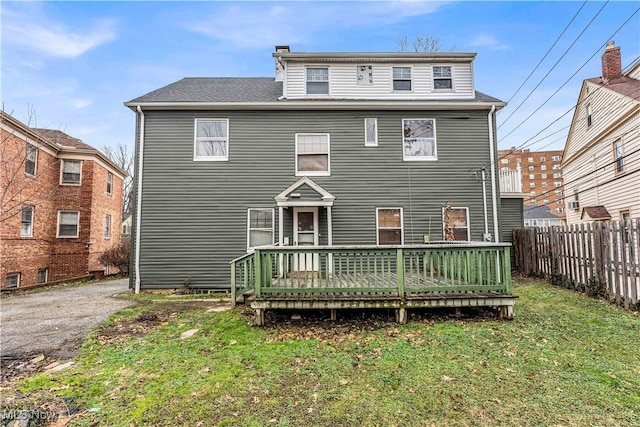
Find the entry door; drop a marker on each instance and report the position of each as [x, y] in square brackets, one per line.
[305, 233]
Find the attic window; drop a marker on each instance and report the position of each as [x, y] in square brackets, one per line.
[589, 119]
[365, 75]
[318, 81]
[442, 78]
[402, 78]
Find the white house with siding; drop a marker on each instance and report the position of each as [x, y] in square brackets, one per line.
[601, 161]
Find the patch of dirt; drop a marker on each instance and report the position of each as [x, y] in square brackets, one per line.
[353, 324]
[123, 329]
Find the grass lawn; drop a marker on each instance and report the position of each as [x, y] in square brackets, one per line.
[565, 360]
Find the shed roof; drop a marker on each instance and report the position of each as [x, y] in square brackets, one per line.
[598, 212]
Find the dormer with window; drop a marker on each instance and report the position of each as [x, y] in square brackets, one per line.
[375, 76]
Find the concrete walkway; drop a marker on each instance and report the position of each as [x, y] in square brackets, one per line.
[56, 322]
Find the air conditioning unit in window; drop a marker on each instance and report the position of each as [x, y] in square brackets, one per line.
[575, 205]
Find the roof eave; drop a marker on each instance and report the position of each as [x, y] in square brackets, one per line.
[319, 105]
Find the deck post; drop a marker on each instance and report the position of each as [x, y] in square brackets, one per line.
[333, 315]
[233, 285]
[259, 319]
[400, 270]
[507, 269]
[401, 315]
[258, 270]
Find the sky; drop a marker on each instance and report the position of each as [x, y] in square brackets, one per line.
[71, 65]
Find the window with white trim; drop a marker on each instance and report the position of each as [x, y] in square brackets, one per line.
[312, 154]
[504, 161]
[71, 172]
[371, 132]
[26, 222]
[544, 184]
[589, 117]
[365, 75]
[543, 176]
[402, 78]
[618, 156]
[30, 160]
[43, 275]
[557, 183]
[419, 139]
[389, 226]
[260, 227]
[518, 160]
[557, 175]
[68, 224]
[109, 183]
[107, 226]
[543, 167]
[532, 176]
[317, 81]
[442, 78]
[543, 159]
[555, 158]
[458, 222]
[12, 281]
[211, 140]
[556, 167]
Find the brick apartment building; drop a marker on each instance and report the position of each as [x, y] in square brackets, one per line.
[541, 176]
[61, 205]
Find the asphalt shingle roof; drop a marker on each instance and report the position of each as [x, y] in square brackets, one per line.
[538, 212]
[216, 89]
[235, 89]
[61, 138]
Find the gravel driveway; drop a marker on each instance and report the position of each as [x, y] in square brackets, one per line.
[56, 322]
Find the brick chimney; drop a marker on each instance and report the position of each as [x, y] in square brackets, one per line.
[611, 62]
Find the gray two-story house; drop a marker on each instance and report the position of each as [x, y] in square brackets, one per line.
[337, 149]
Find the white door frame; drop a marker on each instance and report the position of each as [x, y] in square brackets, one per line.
[308, 262]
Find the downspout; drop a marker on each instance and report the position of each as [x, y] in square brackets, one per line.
[484, 204]
[139, 201]
[494, 198]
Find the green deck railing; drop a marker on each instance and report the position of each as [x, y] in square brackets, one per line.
[387, 271]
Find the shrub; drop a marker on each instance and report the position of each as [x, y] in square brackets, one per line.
[118, 256]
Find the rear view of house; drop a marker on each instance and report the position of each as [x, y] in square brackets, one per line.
[338, 149]
[61, 200]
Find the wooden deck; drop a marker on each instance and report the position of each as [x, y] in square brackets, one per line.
[434, 275]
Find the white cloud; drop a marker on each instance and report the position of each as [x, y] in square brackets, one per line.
[488, 41]
[30, 28]
[258, 25]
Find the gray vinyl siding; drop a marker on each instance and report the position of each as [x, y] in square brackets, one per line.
[511, 217]
[194, 218]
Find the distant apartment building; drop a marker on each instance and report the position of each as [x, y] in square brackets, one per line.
[542, 176]
[60, 205]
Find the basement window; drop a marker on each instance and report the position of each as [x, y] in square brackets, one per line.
[12, 281]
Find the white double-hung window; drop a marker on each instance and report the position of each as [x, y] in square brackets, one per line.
[419, 139]
[312, 154]
[402, 78]
[68, 223]
[317, 81]
[260, 227]
[442, 78]
[211, 140]
[71, 172]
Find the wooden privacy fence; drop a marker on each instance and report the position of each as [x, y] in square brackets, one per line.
[600, 258]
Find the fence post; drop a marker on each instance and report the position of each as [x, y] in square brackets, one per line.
[233, 284]
[400, 271]
[258, 270]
